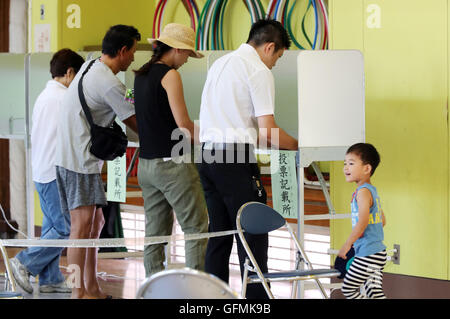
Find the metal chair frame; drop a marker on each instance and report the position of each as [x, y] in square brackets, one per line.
[10, 281]
[221, 289]
[294, 276]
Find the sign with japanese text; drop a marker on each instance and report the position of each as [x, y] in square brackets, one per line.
[117, 179]
[284, 183]
[42, 36]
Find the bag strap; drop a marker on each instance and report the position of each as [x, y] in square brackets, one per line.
[84, 105]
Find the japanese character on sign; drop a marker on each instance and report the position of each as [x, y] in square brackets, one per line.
[284, 183]
[285, 196]
[283, 172]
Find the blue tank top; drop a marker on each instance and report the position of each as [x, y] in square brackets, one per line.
[371, 242]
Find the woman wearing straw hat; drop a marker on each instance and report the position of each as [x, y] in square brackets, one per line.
[167, 182]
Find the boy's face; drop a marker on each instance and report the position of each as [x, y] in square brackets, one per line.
[355, 170]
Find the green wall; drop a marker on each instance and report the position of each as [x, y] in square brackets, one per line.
[406, 65]
[79, 23]
[49, 17]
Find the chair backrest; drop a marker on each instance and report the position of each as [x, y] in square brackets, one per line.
[184, 283]
[257, 218]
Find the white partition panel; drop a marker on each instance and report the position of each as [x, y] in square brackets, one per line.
[12, 89]
[330, 114]
[216, 55]
[140, 58]
[286, 97]
[193, 74]
[39, 76]
[330, 98]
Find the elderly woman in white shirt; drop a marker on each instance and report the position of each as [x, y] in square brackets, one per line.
[44, 261]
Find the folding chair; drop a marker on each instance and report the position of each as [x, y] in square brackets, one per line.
[10, 283]
[256, 218]
[184, 283]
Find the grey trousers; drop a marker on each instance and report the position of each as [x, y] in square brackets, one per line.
[166, 186]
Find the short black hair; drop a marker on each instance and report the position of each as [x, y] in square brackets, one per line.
[63, 60]
[268, 30]
[117, 37]
[368, 154]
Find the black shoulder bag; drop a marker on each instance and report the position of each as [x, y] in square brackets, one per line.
[107, 143]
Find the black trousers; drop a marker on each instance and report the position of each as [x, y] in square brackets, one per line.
[227, 187]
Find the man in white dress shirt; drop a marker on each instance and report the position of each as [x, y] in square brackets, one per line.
[237, 112]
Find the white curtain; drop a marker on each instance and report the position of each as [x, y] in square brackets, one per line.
[18, 26]
[18, 40]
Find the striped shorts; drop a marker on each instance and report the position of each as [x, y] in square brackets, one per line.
[365, 272]
[76, 189]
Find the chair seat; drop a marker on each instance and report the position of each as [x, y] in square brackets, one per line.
[10, 295]
[299, 273]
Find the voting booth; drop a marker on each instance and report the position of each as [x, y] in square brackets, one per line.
[331, 117]
[319, 99]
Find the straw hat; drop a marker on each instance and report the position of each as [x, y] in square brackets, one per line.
[178, 36]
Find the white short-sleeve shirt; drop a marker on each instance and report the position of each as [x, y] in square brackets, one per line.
[238, 89]
[44, 131]
[104, 94]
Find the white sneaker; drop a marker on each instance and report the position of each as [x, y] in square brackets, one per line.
[21, 275]
[62, 287]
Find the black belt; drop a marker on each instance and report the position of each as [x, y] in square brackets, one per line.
[239, 152]
[227, 146]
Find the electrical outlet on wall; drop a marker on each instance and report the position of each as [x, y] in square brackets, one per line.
[396, 255]
[42, 12]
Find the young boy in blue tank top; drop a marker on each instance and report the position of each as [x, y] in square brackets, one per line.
[368, 221]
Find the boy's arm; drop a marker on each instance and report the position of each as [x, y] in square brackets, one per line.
[364, 200]
[383, 218]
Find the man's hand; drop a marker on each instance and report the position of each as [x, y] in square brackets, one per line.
[281, 140]
[131, 123]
